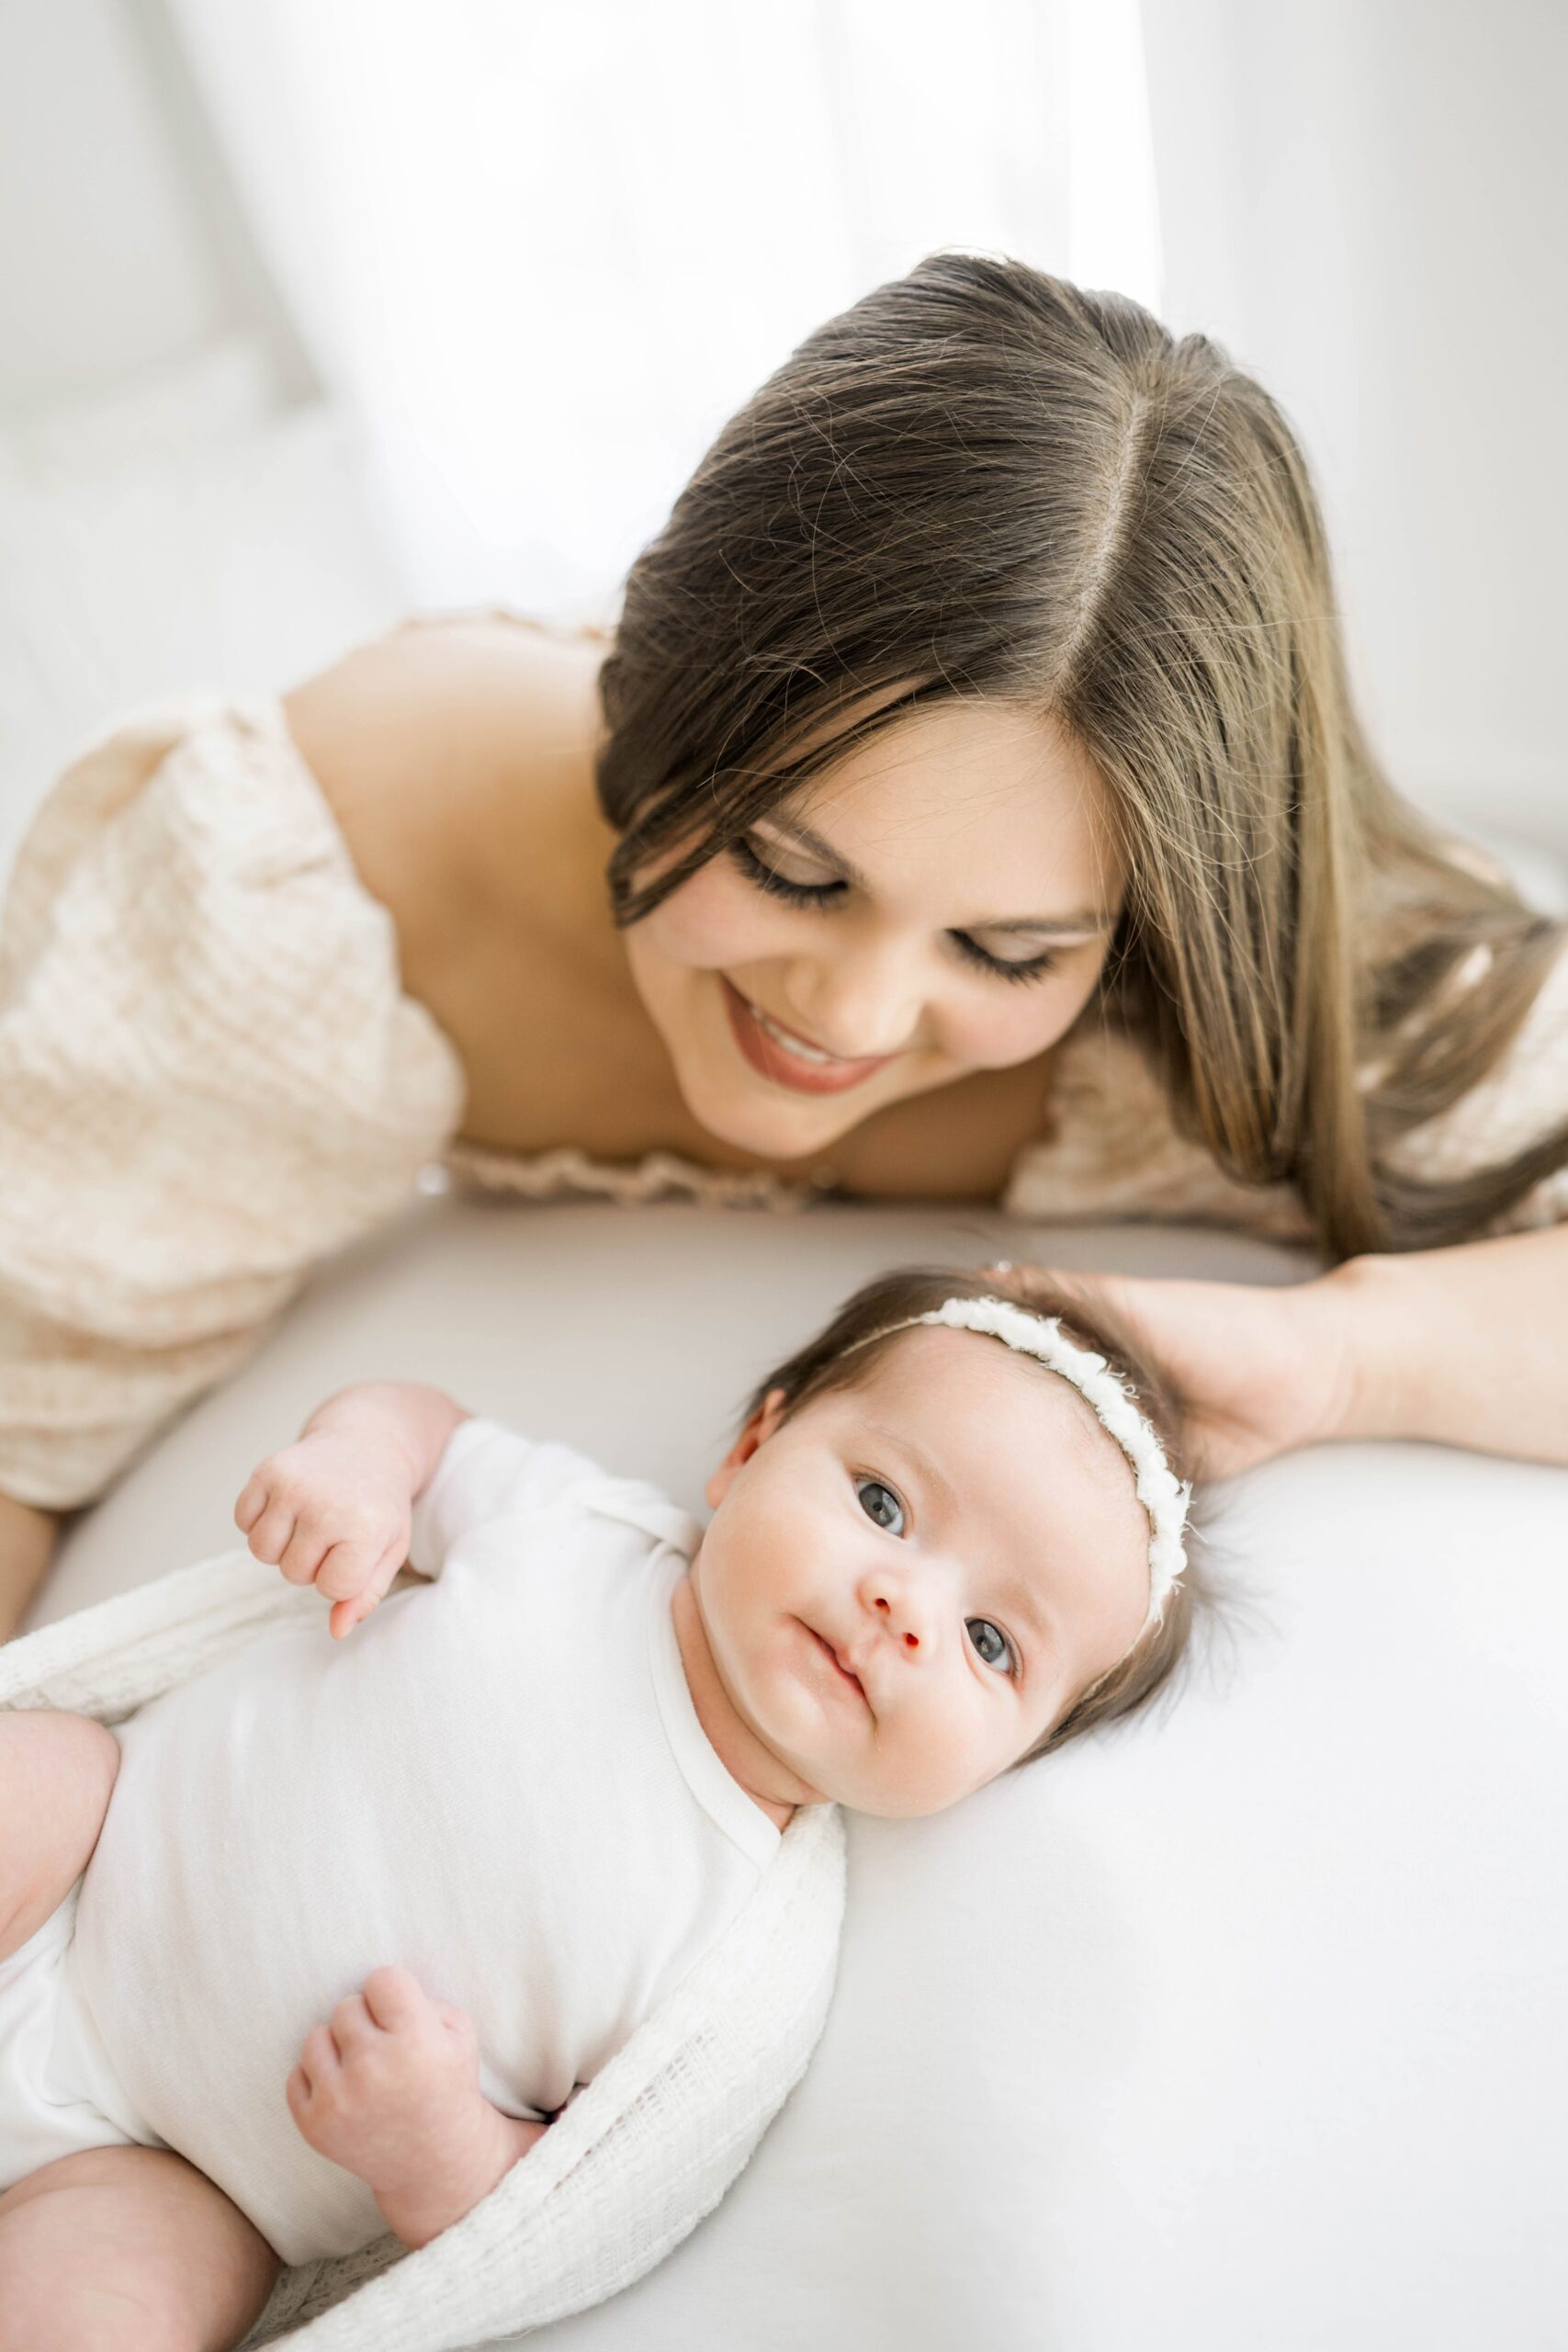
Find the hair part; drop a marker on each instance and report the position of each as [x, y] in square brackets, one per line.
[845, 1353]
[983, 482]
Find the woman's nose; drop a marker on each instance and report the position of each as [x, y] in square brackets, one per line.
[859, 1002]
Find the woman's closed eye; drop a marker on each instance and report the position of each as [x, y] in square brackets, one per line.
[827, 894]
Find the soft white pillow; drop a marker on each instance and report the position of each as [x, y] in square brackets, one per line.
[1238, 2026]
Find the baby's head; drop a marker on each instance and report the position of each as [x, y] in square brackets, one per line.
[928, 1561]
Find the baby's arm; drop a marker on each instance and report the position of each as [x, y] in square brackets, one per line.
[390, 2088]
[335, 1509]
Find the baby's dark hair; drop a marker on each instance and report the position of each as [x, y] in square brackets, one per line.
[839, 1357]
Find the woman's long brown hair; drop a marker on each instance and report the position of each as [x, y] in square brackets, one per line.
[980, 481]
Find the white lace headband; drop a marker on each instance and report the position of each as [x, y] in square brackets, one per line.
[1162, 1494]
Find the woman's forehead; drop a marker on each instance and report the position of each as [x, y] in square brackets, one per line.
[984, 795]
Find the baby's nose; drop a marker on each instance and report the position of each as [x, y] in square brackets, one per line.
[903, 1623]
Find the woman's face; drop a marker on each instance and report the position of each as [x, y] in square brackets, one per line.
[939, 902]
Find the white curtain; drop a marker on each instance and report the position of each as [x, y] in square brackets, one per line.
[539, 249]
[1365, 201]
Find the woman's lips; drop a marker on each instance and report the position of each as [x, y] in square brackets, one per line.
[768, 1055]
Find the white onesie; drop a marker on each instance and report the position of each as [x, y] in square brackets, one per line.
[499, 1781]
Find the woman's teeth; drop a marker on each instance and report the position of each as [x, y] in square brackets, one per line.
[782, 1037]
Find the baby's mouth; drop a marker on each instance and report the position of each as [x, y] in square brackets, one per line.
[843, 1672]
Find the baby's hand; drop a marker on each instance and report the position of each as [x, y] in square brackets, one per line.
[390, 2088]
[333, 1510]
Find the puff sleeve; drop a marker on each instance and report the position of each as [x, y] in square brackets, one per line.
[1110, 1150]
[211, 1079]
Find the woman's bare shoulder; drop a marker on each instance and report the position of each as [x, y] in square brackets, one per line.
[417, 736]
[447, 698]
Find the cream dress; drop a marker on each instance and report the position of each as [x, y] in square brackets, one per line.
[211, 1079]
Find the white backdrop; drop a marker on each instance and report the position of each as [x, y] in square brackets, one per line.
[542, 253]
[537, 251]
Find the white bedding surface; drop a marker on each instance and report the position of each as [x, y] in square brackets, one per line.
[1240, 2026]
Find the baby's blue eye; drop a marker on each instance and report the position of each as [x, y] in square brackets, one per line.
[1003, 1654]
[881, 1504]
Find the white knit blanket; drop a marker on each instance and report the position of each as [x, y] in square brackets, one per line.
[637, 2159]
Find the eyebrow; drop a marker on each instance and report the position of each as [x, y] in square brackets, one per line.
[1086, 920]
[1030, 1604]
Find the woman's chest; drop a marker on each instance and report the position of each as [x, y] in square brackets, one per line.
[555, 1062]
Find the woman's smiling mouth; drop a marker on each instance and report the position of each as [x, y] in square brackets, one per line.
[788, 1059]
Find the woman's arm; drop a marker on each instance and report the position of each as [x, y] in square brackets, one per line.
[26, 1545]
[1467, 1346]
[1464, 1346]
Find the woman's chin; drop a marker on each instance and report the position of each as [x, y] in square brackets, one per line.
[770, 1121]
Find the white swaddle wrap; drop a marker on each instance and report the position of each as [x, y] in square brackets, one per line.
[638, 2157]
[498, 1781]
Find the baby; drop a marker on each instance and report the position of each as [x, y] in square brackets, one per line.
[540, 1785]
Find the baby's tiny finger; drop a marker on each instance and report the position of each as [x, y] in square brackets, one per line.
[386, 1568]
[351, 2022]
[319, 2057]
[296, 2089]
[393, 1995]
[272, 1535]
[248, 1508]
[302, 1555]
[341, 1573]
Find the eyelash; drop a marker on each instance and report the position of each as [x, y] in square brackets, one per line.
[822, 894]
[874, 1478]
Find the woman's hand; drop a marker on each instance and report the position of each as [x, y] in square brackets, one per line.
[333, 1510]
[390, 2088]
[1254, 1370]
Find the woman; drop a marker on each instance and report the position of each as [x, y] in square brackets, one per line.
[984, 815]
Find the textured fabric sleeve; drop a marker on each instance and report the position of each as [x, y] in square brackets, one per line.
[209, 1080]
[1110, 1150]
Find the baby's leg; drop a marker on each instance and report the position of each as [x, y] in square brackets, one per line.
[56, 1773]
[127, 2250]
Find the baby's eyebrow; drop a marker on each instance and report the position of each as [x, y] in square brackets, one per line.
[1026, 1598]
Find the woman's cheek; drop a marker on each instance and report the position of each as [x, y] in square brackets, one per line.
[711, 922]
[997, 1035]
